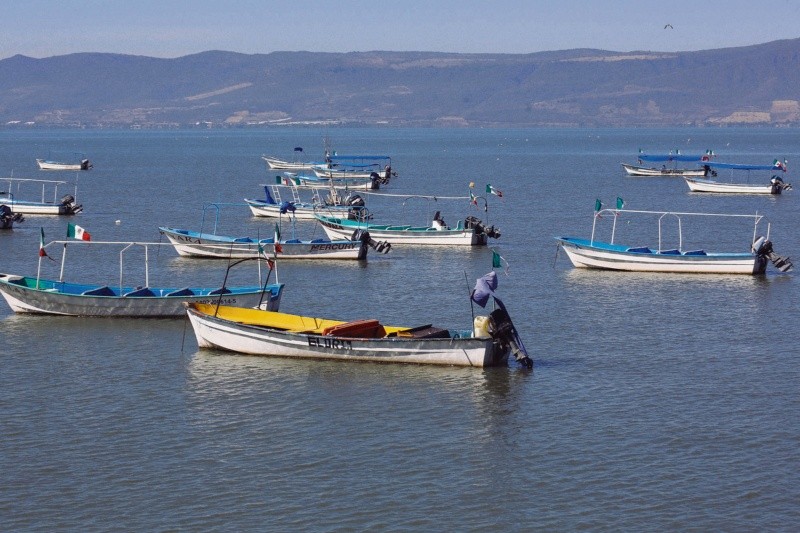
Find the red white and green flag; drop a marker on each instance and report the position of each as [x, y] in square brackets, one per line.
[278, 247]
[77, 232]
[42, 253]
[492, 190]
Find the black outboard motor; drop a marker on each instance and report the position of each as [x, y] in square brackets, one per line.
[778, 186]
[503, 331]
[7, 217]
[68, 201]
[360, 214]
[354, 201]
[763, 248]
[382, 247]
[474, 222]
[376, 180]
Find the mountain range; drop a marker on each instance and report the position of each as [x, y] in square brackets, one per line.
[753, 85]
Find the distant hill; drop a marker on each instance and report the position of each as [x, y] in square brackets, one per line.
[747, 85]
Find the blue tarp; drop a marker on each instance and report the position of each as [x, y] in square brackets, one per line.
[737, 166]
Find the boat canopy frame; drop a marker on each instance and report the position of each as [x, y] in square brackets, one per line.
[668, 214]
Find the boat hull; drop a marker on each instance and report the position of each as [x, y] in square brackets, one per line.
[274, 163]
[53, 165]
[39, 208]
[28, 299]
[219, 333]
[633, 170]
[260, 208]
[585, 254]
[405, 234]
[194, 244]
[704, 185]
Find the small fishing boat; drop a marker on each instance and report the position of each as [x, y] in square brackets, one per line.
[468, 232]
[47, 164]
[274, 163]
[274, 205]
[673, 158]
[35, 294]
[489, 342]
[337, 166]
[608, 255]
[196, 244]
[775, 184]
[66, 205]
[8, 217]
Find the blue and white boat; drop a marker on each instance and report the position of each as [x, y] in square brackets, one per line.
[772, 185]
[66, 205]
[196, 244]
[669, 162]
[280, 198]
[35, 294]
[609, 255]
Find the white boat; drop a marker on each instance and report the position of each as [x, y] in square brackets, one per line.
[46, 164]
[34, 294]
[488, 343]
[636, 170]
[66, 205]
[671, 158]
[468, 232]
[274, 205]
[273, 163]
[196, 244]
[775, 184]
[608, 255]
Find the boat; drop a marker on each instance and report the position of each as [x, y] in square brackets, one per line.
[468, 232]
[196, 244]
[608, 255]
[274, 163]
[368, 182]
[273, 206]
[46, 164]
[35, 294]
[356, 166]
[641, 170]
[8, 217]
[66, 205]
[489, 342]
[775, 185]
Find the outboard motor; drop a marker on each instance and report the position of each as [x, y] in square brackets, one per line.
[778, 186]
[382, 247]
[474, 222]
[86, 164]
[361, 214]
[355, 201]
[68, 201]
[763, 248]
[8, 217]
[503, 331]
[375, 180]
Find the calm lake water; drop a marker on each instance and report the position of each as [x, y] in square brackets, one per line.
[657, 402]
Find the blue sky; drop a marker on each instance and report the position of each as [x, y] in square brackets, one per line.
[173, 28]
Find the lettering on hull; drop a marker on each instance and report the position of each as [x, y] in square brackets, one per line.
[334, 344]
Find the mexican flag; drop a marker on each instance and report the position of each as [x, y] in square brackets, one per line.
[278, 247]
[77, 232]
[492, 190]
[42, 253]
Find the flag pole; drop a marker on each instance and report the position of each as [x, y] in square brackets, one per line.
[471, 303]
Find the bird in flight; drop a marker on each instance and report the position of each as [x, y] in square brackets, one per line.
[668, 26]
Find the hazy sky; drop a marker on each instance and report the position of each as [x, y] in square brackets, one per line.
[173, 28]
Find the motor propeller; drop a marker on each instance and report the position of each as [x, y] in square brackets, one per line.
[763, 247]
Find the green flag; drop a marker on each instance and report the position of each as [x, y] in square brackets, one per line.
[496, 260]
[620, 203]
[598, 205]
